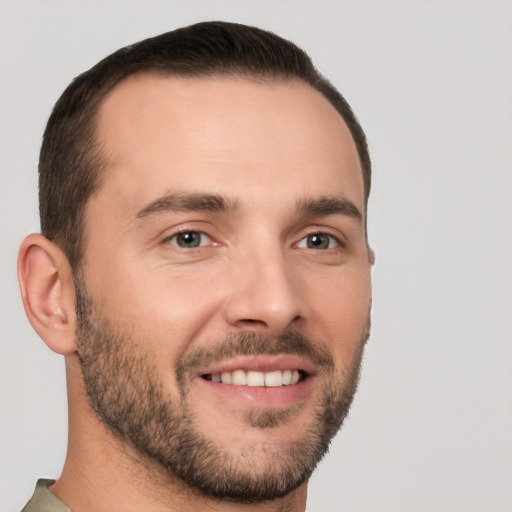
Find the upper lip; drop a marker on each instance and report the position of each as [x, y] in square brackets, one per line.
[261, 363]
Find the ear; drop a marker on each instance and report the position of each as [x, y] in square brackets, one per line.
[371, 256]
[48, 292]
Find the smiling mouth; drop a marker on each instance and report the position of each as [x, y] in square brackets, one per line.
[273, 379]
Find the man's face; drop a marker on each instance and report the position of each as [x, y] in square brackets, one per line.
[226, 243]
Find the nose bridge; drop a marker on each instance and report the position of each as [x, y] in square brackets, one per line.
[264, 293]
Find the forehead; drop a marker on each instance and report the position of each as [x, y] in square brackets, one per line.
[167, 133]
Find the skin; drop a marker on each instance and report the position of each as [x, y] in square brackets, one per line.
[265, 148]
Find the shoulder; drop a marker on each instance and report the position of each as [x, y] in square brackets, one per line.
[43, 500]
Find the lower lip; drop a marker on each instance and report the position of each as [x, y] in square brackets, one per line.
[259, 396]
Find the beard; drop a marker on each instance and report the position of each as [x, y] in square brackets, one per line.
[122, 383]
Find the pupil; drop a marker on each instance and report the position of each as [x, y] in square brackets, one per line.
[189, 239]
[318, 241]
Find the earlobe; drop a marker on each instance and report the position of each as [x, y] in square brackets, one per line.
[48, 292]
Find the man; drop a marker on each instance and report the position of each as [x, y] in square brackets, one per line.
[204, 268]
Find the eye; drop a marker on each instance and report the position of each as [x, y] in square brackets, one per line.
[319, 241]
[189, 239]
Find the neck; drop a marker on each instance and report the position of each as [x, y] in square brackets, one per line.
[102, 473]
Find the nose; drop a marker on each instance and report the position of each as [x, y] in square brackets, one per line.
[264, 295]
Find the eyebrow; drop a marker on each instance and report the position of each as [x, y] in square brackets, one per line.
[179, 202]
[188, 202]
[329, 205]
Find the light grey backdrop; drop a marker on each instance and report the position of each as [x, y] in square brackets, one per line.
[431, 82]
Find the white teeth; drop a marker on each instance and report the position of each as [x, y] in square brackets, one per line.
[257, 379]
[274, 379]
[287, 377]
[226, 377]
[239, 378]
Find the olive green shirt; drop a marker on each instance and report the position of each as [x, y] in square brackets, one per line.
[43, 500]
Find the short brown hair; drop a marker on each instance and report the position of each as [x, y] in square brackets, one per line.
[71, 161]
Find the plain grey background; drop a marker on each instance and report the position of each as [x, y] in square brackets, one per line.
[431, 81]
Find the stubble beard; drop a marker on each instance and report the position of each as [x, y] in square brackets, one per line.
[121, 381]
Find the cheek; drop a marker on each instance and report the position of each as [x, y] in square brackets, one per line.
[168, 308]
[340, 311]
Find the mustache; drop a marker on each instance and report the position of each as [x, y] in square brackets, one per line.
[255, 344]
